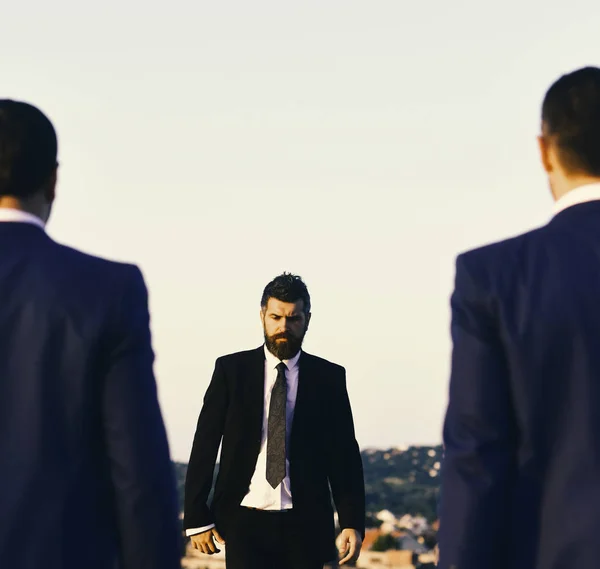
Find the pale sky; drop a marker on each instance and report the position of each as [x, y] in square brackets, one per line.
[360, 144]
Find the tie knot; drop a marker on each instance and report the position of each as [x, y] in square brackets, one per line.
[281, 367]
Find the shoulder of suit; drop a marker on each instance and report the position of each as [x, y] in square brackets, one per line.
[323, 362]
[105, 273]
[503, 255]
[245, 355]
[257, 353]
[77, 257]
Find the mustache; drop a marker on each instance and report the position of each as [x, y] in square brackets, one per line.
[282, 336]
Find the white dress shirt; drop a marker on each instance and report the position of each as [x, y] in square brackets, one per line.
[582, 194]
[261, 495]
[18, 216]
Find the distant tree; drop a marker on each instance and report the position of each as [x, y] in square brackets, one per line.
[385, 542]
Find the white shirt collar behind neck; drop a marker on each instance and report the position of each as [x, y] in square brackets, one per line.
[18, 216]
[582, 194]
[274, 362]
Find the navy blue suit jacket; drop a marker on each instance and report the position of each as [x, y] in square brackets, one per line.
[85, 475]
[521, 474]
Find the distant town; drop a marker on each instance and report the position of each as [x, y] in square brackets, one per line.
[402, 487]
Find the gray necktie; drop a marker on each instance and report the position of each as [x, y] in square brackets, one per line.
[276, 430]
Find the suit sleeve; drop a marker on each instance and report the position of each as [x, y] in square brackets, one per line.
[479, 434]
[346, 476]
[137, 448]
[207, 440]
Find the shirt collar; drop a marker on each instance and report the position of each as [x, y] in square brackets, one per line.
[18, 216]
[273, 362]
[582, 194]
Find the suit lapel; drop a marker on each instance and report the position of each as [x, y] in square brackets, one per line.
[304, 398]
[255, 396]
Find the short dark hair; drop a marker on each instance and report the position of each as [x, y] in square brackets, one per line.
[28, 149]
[571, 117]
[287, 288]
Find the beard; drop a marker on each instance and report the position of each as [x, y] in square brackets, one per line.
[284, 346]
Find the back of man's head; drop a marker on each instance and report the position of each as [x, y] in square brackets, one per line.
[28, 150]
[571, 121]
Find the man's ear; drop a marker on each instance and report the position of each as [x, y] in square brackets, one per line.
[544, 148]
[50, 186]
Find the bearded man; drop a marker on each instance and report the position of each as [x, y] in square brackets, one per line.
[284, 420]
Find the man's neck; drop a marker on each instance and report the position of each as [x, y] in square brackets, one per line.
[12, 203]
[573, 183]
[579, 195]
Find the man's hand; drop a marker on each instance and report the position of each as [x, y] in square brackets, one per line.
[205, 541]
[349, 543]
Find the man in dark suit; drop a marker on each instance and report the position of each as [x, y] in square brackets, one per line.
[286, 427]
[85, 475]
[521, 475]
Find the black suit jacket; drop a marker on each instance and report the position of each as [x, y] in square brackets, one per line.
[85, 475]
[323, 447]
